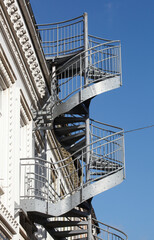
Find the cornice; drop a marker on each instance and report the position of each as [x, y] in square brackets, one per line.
[18, 58]
[26, 45]
[29, 17]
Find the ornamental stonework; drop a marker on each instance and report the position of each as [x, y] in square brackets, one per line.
[26, 44]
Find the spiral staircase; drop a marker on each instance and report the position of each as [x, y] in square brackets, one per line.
[82, 66]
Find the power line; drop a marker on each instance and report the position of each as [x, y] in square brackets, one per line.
[138, 129]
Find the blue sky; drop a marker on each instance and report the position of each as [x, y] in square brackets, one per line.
[129, 206]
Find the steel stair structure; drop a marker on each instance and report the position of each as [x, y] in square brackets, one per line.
[82, 66]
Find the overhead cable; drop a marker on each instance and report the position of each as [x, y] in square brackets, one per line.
[138, 129]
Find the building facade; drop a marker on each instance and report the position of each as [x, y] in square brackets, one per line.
[54, 158]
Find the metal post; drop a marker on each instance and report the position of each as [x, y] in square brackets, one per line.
[82, 181]
[87, 148]
[123, 152]
[120, 70]
[81, 77]
[86, 82]
[89, 227]
[108, 233]
[53, 86]
[57, 40]
[86, 47]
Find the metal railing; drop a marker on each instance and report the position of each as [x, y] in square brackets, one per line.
[62, 38]
[106, 232]
[104, 61]
[107, 152]
[105, 157]
[94, 41]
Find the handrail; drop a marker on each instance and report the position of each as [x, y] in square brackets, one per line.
[99, 38]
[84, 51]
[62, 38]
[108, 233]
[105, 151]
[104, 61]
[106, 124]
[72, 155]
[69, 20]
[121, 132]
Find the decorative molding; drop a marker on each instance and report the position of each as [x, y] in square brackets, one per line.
[10, 146]
[25, 112]
[5, 27]
[7, 75]
[8, 220]
[1, 190]
[22, 34]
[21, 31]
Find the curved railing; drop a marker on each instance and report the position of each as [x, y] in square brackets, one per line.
[103, 231]
[104, 61]
[105, 157]
[62, 38]
[94, 41]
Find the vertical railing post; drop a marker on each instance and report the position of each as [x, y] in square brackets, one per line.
[57, 40]
[48, 184]
[82, 181]
[86, 47]
[53, 86]
[108, 233]
[120, 65]
[85, 83]
[89, 227]
[81, 78]
[123, 154]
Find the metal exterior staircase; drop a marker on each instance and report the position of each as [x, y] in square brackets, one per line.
[81, 67]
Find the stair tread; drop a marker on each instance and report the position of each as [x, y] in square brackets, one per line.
[65, 120]
[73, 137]
[76, 146]
[61, 59]
[68, 129]
[98, 173]
[104, 168]
[69, 233]
[56, 224]
[76, 213]
[85, 205]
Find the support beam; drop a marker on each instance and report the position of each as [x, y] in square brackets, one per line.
[86, 81]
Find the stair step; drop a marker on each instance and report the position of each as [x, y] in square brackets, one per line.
[98, 173]
[103, 162]
[69, 129]
[69, 233]
[85, 205]
[72, 138]
[76, 213]
[65, 120]
[80, 109]
[62, 59]
[104, 168]
[96, 73]
[76, 146]
[56, 224]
